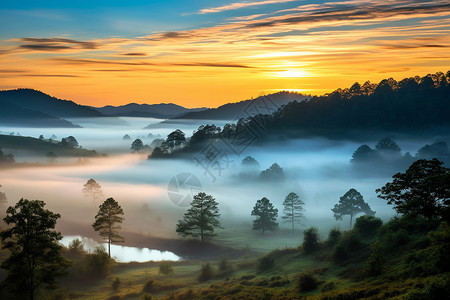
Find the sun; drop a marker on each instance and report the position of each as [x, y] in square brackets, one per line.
[291, 73]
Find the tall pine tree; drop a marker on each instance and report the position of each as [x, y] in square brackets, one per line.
[107, 222]
[293, 207]
[266, 216]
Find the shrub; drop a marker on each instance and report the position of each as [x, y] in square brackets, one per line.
[375, 262]
[75, 248]
[265, 263]
[98, 263]
[348, 243]
[206, 273]
[310, 240]
[333, 236]
[306, 282]
[225, 265]
[151, 286]
[165, 268]
[367, 226]
[116, 284]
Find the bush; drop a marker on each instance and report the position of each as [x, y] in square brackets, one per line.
[116, 284]
[306, 282]
[333, 236]
[99, 262]
[310, 240]
[225, 265]
[265, 263]
[165, 268]
[75, 248]
[367, 226]
[206, 273]
[375, 262]
[348, 243]
[151, 286]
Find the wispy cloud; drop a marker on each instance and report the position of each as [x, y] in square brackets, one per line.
[55, 44]
[239, 5]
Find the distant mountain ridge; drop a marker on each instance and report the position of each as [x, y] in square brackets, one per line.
[28, 107]
[162, 110]
[231, 111]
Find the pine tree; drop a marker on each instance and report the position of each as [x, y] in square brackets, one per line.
[201, 218]
[293, 208]
[107, 222]
[92, 188]
[352, 203]
[266, 216]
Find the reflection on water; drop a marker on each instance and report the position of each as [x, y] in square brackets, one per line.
[125, 254]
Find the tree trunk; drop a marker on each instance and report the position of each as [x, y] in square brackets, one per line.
[351, 217]
[293, 218]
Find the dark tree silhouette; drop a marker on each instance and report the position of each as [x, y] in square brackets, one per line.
[250, 162]
[175, 138]
[126, 137]
[69, 141]
[423, 190]
[93, 189]
[363, 154]
[275, 172]
[3, 202]
[137, 145]
[6, 159]
[35, 259]
[352, 204]
[107, 222]
[387, 145]
[266, 216]
[201, 218]
[293, 207]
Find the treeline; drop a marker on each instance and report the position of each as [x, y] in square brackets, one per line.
[409, 104]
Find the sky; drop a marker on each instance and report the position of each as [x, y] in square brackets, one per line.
[205, 53]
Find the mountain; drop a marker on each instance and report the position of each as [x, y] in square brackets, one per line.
[160, 111]
[28, 107]
[264, 104]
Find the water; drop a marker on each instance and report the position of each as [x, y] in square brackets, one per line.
[125, 254]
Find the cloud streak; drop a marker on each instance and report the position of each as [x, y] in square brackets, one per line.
[239, 5]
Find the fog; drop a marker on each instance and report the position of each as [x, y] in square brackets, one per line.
[316, 169]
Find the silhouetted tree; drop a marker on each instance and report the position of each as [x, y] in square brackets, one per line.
[310, 239]
[275, 172]
[423, 190]
[35, 259]
[437, 150]
[92, 188]
[126, 137]
[266, 216]
[363, 154]
[175, 138]
[352, 203]
[293, 208]
[6, 159]
[107, 222]
[137, 145]
[250, 162]
[387, 145]
[69, 141]
[201, 218]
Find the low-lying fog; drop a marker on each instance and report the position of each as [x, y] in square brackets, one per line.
[317, 169]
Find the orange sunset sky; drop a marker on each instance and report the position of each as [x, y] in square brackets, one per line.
[207, 53]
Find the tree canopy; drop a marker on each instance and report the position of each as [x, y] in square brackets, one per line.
[352, 204]
[266, 216]
[201, 218]
[35, 259]
[137, 145]
[107, 222]
[423, 190]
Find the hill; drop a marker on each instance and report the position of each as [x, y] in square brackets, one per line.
[28, 107]
[232, 111]
[160, 111]
[42, 147]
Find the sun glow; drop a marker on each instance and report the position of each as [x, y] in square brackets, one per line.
[291, 73]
